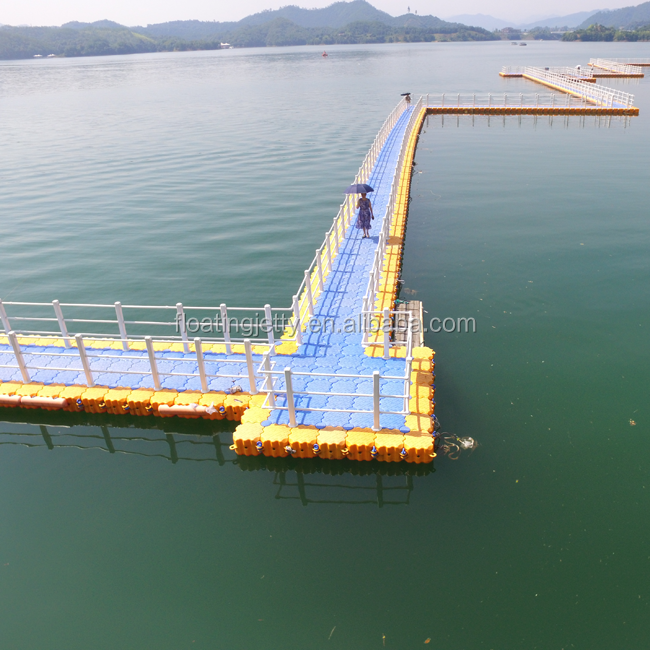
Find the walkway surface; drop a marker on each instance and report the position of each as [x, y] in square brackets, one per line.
[332, 352]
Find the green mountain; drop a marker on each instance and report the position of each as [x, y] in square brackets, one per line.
[337, 15]
[99, 24]
[338, 23]
[26, 42]
[190, 30]
[626, 18]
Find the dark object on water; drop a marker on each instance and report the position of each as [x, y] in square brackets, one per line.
[359, 188]
[451, 445]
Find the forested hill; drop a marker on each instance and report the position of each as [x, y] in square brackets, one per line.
[106, 37]
[602, 33]
[26, 42]
[337, 15]
[625, 18]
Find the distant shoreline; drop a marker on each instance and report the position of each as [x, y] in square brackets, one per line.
[106, 38]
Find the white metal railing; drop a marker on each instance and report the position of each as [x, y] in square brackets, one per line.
[378, 260]
[581, 73]
[321, 265]
[637, 62]
[258, 369]
[129, 323]
[83, 355]
[389, 322]
[591, 93]
[614, 66]
[281, 383]
[504, 100]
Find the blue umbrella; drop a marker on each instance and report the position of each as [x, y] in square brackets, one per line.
[359, 188]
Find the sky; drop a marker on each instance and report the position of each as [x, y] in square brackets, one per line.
[143, 12]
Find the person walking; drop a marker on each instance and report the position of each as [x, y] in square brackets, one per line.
[365, 215]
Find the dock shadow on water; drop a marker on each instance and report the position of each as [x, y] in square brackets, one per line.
[308, 481]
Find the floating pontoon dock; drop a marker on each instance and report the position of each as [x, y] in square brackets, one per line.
[343, 376]
[594, 98]
[614, 68]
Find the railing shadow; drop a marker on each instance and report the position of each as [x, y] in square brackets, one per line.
[310, 481]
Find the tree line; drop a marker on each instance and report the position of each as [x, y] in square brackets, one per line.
[602, 33]
[26, 42]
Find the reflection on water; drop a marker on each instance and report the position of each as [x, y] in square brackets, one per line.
[561, 121]
[152, 442]
[310, 481]
[376, 492]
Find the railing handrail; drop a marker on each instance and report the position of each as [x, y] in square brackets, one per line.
[377, 265]
[596, 94]
[614, 66]
[565, 70]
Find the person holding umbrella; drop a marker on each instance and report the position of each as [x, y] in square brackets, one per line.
[364, 206]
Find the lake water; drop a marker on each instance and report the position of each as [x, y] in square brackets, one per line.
[211, 177]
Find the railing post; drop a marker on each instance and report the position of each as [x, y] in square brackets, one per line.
[152, 362]
[386, 333]
[269, 380]
[319, 266]
[290, 403]
[85, 363]
[269, 324]
[367, 319]
[409, 337]
[297, 325]
[122, 326]
[375, 401]
[250, 367]
[180, 316]
[4, 318]
[225, 326]
[11, 335]
[329, 252]
[310, 298]
[407, 384]
[338, 229]
[198, 348]
[62, 327]
[377, 277]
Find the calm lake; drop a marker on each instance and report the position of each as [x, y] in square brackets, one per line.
[212, 177]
